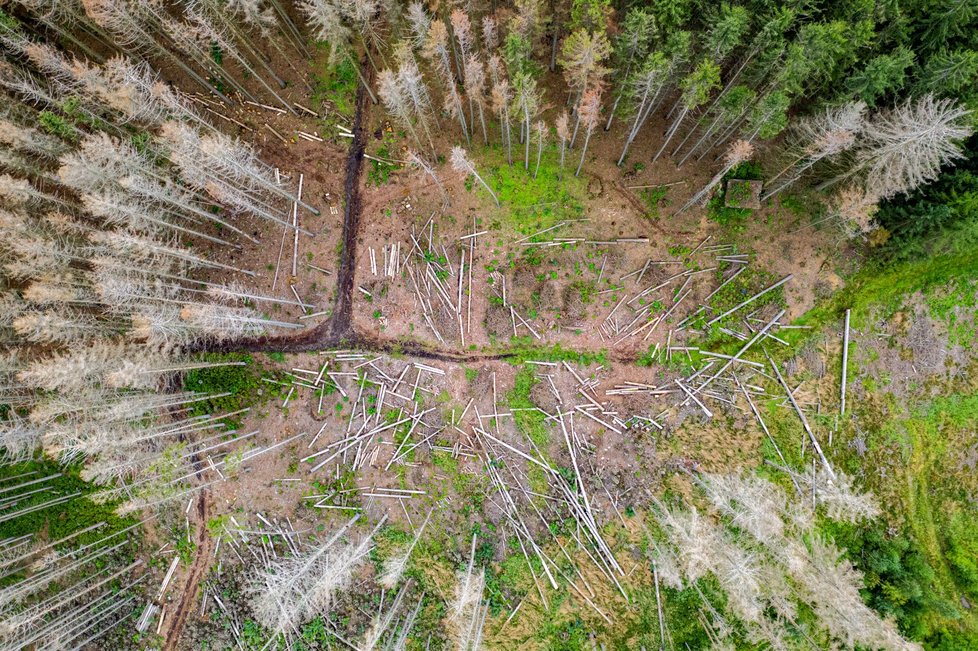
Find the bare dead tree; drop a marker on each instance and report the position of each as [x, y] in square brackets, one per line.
[905, 147]
[588, 114]
[461, 163]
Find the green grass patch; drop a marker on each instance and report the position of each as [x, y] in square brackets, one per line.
[881, 288]
[654, 199]
[522, 349]
[531, 422]
[530, 204]
[380, 170]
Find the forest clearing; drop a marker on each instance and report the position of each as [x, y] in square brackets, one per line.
[546, 325]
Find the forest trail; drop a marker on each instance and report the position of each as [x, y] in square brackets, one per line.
[341, 323]
[198, 570]
[339, 327]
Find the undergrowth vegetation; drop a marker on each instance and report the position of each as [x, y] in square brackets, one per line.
[246, 385]
[61, 520]
[531, 204]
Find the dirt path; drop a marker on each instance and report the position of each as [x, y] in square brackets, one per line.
[199, 569]
[341, 325]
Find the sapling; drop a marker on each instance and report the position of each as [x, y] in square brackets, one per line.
[541, 129]
[563, 135]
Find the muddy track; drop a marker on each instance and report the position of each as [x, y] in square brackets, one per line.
[339, 327]
[199, 569]
[341, 323]
[409, 348]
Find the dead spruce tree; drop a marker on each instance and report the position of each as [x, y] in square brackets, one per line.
[103, 287]
[228, 170]
[461, 29]
[501, 98]
[466, 614]
[396, 102]
[461, 163]
[419, 22]
[819, 138]
[905, 147]
[854, 209]
[294, 590]
[768, 558]
[327, 20]
[541, 129]
[588, 113]
[396, 565]
[436, 50]
[410, 79]
[526, 104]
[475, 89]
[563, 135]
[137, 29]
